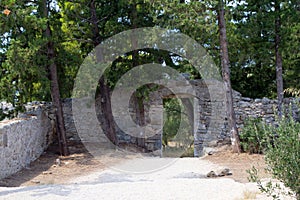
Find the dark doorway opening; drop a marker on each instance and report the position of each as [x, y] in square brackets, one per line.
[178, 127]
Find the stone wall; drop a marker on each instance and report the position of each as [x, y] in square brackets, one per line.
[264, 108]
[23, 140]
[210, 123]
[210, 120]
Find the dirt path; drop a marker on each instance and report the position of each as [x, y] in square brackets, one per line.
[80, 176]
[47, 169]
[184, 178]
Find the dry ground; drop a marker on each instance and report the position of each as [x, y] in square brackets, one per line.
[46, 169]
[239, 163]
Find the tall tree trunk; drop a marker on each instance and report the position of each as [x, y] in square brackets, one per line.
[235, 139]
[278, 58]
[54, 86]
[139, 100]
[108, 121]
[140, 117]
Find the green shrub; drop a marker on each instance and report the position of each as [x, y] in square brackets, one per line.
[271, 189]
[281, 145]
[253, 137]
[283, 153]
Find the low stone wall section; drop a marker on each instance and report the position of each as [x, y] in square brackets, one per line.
[205, 135]
[264, 108]
[23, 140]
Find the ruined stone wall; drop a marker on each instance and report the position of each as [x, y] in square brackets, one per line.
[210, 123]
[210, 119]
[264, 108]
[23, 140]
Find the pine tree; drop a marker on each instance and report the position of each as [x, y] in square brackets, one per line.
[226, 77]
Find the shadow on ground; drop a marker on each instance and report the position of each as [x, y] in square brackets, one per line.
[45, 165]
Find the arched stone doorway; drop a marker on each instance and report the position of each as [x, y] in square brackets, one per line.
[207, 127]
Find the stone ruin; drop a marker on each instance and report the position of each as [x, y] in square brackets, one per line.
[206, 103]
[22, 140]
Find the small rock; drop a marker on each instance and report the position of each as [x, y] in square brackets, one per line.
[211, 174]
[246, 99]
[265, 101]
[57, 162]
[257, 100]
[46, 173]
[36, 181]
[244, 104]
[225, 172]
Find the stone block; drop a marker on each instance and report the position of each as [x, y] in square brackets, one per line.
[265, 101]
[3, 139]
[257, 100]
[246, 99]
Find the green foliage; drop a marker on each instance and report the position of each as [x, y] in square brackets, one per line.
[172, 119]
[293, 92]
[22, 75]
[253, 174]
[270, 188]
[23, 62]
[251, 37]
[197, 19]
[189, 152]
[253, 66]
[253, 137]
[177, 131]
[283, 153]
[250, 31]
[281, 146]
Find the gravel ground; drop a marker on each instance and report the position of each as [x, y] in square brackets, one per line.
[144, 178]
